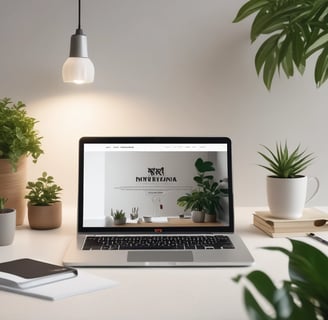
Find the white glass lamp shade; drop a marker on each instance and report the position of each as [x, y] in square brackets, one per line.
[78, 70]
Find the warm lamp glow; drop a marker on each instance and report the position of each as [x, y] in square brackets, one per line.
[78, 70]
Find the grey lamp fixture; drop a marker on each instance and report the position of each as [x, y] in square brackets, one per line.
[78, 68]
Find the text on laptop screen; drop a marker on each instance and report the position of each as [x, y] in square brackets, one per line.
[145, 181]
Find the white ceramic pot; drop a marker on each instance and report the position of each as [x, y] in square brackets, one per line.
[287, 196]
[7, 226]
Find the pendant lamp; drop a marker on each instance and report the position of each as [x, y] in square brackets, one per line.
[78, 68]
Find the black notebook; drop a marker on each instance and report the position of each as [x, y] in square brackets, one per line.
[27, 273]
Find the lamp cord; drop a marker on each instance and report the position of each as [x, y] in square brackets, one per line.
[79, 25]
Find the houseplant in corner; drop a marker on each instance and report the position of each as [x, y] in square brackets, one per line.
[303, 296]
[44, 206]
[287, 187]
[18, 139]
[7, 223]
[205, 200]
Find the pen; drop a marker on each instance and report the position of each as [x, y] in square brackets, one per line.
[313, 236]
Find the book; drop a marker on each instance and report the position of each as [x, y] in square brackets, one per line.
[83, 283]
[26, 273]
[313, 220]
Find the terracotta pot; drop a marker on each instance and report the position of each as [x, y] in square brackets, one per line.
[12, 186]
[45, 217]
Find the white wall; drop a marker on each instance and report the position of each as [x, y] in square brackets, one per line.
[163, 67]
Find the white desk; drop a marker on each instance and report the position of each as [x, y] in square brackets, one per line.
[155, 293]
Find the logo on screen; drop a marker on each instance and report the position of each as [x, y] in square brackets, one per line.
[156, 175]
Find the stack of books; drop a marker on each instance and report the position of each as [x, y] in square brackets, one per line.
[313, 220]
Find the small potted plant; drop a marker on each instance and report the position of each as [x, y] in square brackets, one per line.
[195, 202]
[7, 223]
[286, 186]
[119, 217]
[44, 206]
[204, 201]
[18, 140]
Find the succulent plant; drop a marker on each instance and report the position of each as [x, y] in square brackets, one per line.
[118, 214]
[286, 164]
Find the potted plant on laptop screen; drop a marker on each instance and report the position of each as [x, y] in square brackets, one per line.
[7, 223]
[44, 206]
[205, 200]
[287, 187]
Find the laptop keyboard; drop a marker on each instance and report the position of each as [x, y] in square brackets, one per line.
[158, 242]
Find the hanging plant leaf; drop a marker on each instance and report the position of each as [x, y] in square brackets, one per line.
[294, 31]
[321, 68]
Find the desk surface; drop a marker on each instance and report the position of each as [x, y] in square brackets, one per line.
[144, 293]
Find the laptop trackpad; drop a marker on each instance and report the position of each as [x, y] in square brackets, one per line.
[160, 256]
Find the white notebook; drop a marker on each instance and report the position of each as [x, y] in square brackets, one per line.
[83, 283]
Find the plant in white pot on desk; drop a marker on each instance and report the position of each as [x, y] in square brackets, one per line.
[44, 206]
[287, 187]
[18, 139]
[7, 223]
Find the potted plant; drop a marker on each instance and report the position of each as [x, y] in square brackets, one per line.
[195, 202]
[292, 31]
[303, 296]
[18, 139]
[205, 200]
[287, 187]
[7, 223]
[119, 217]
[44, 206]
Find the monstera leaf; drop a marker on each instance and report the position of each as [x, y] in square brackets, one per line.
[303, 296]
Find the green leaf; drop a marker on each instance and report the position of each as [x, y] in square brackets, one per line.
[308, 266]
[287, 61]
[265, 51]
[303, 297]
[265, 285]
[254, 310]
[318, 44]
[298, 47]
[249, 8]
[303, 23]
[269, 69]
[321, 68]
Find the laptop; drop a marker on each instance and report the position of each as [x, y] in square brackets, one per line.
[131, 211]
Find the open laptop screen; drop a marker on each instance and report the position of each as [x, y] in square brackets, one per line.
[144, 177]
